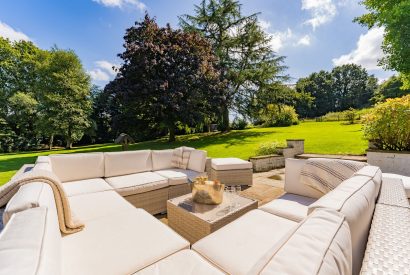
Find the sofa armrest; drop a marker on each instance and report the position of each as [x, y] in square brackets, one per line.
[293, 167]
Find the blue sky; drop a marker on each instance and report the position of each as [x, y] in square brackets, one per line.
[312, 34]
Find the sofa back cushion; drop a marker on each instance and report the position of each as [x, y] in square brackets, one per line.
[31, 244]
[355, 198]
[319, 245]
[72, 167]
[162, 159]
[372, 172]
[197, 161]
[293, 168]
[129, 162]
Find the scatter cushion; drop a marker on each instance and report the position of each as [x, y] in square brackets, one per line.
[185, 262]
[320, 245]
[162, 159]
[71, 167]
[289, 206]
[125, 163]
[236, 247]
[121, 243]
[137, 183]
[174, 177]
[230, 164]
[75, 188]
[355, 198]
[197, 160]
[325, 174]
[180, 158]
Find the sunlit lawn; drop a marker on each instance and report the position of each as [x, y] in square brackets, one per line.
[320, 137]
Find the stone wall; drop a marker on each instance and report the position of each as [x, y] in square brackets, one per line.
[390, 161]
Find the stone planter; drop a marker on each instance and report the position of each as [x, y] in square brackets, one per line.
[390, 161]
[267, 163]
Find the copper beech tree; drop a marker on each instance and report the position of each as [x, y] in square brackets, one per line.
[168, 77]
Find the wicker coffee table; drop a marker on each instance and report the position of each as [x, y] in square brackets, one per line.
[194, 221]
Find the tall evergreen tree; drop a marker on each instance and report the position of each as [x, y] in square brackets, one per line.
[247, 62]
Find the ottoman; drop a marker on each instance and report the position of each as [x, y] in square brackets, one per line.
[231, 171]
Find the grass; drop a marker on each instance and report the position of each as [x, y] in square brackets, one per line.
[320, 137]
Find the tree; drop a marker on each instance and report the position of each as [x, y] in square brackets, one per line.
[393, 16]
[391, 88]
[247, 62]
[167, 77]
[66, 98]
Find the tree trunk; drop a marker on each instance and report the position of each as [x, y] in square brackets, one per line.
[171, 129]
[225, 119]
[50, 142]
[69, 141]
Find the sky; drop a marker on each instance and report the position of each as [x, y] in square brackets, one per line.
[314, 35]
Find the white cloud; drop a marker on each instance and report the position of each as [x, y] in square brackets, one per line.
[8, 32]
[123, 3]
[279, 39]
[322, 11]
[103, 72]
[367, 52]
[265, 25]
[303, 41]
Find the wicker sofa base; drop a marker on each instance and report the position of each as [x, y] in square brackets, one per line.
[233, 177]
[178, 190]
[154, 202]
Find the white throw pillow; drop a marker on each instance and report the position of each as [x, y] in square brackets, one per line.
[197, 161]
[180, 158]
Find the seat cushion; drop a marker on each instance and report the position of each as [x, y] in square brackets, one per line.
[74, 188]
[137, 183]
[320, 245]
[184, 262]
[236, 247]
[125, 163]
[289, 206]
[355, 198]
[122, 243]
[96, 205]
[230, 164]
[162, 159]
[404, 179]
[190, 174]
[174, 177]
[71, 167]
[31, 244]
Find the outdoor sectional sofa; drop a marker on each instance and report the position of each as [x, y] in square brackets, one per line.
[300, 233]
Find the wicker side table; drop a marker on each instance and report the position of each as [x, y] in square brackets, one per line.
[194, 221]
[231, 171]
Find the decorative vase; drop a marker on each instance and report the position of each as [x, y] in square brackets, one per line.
[207, 192]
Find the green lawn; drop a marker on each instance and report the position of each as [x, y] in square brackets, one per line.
[320, 137]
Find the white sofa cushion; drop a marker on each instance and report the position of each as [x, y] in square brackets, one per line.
[174, 177]
[184, 262]
[180, 157]
[122, 243]
[43, 159]
[355, 198]
[405, 180]
[137, 183]
[236, 247]
[162, 159]
[125, 163]
[197, 161]
[293, 167]
[230, 164]
[372, 172]
[43, 166]
[191, 175]
[74, 188]
[30, 244]
[320, 245]
[96, 205]
[71, 167]
[289, 206]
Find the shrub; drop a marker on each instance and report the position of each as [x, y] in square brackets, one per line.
[388, 124]
[239, 124]
[276, 115]
[270, 148]
[350, 115]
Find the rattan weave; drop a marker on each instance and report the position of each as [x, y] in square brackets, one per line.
[388, 246]
[154, 202]
[233, 177]
[178, 190]
[392, 193]
[194, 227]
